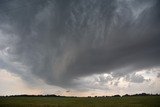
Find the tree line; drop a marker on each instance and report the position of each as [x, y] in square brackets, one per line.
[54, 95]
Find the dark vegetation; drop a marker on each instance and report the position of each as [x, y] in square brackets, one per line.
[54, 95]
[136, 100]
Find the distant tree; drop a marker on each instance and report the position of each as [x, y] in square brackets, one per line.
[126, 95]
[116, 96]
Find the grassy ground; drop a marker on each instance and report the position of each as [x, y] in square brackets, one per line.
[140, 101]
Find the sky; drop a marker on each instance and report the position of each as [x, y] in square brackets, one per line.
[79, 47]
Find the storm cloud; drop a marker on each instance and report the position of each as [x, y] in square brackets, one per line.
[62, 40]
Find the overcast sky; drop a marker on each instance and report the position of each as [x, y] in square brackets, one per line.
[79, 47]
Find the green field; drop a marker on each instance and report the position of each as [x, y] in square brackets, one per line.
[138, 101]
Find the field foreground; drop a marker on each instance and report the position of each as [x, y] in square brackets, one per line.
[137, 101]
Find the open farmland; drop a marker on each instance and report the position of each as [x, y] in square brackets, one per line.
[134, 101]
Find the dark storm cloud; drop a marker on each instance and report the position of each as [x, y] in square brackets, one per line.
[62, 40]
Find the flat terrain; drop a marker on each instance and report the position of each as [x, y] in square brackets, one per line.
[138, 101]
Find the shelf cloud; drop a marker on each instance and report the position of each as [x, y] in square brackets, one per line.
[59, 41]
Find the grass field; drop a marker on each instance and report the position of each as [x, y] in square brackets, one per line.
[138, 101]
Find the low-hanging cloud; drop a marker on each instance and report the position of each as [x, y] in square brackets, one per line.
[60, 40]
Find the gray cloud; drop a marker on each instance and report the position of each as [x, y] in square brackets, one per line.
[135, 78]
[158, 75]
[59, 40]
